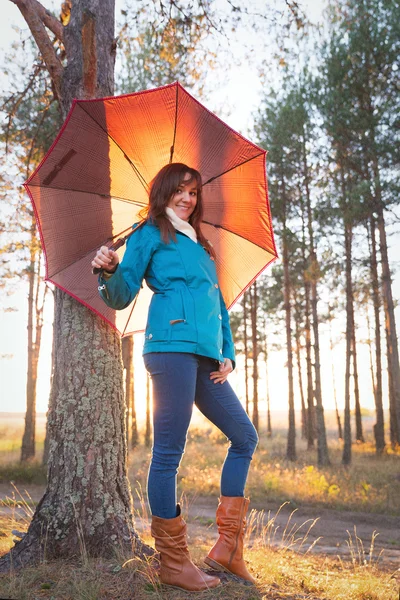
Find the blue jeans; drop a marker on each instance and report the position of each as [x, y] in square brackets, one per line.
[179, 381]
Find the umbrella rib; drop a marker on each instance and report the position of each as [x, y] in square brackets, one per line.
[127, 200]
[109, 239]
[235, 167]
[130, 314]
[135, 169]
[237, 234]
[176, 122]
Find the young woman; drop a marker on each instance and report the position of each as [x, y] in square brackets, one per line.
[189, 354]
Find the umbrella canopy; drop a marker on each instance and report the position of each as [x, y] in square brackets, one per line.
[94, 180]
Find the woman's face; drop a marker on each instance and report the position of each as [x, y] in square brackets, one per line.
[183, 201]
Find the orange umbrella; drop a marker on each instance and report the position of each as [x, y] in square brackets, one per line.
[94, 179]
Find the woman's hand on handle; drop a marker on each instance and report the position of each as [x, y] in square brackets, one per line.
[221, 375]
[105, 259]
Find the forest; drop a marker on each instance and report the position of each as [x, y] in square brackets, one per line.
[328, 117]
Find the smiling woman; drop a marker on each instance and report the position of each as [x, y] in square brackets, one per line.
[188, 350]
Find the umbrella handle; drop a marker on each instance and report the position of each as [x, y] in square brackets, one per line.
[118, 244]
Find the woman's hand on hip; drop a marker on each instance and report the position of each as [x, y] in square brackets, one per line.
[221, 375]
[106, 259]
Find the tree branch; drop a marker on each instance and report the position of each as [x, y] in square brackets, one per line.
[30, 10]
[49, 20]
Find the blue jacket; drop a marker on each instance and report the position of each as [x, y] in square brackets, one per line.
[187, 312]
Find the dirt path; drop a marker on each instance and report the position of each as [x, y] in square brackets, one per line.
[329, 533]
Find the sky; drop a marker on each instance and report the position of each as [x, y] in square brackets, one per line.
[240, 94]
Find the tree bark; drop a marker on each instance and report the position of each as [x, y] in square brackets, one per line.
[253, 316]
[134, 425]
[127, 360]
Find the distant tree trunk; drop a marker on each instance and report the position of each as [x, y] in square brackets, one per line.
[379, 427]
[253, 316]
[338, 421]
[87, 500]
[388, 305]
[357, 411]
[346, 458]
[291, 439]
[147, 435]
[35, 326]
[50, 408]
[371, 360]
[134, 426]
[310, 420]
[246, 350]
[299, 372]
[269, 425]
[322, 444]
[391, 335]
[127, 360]
[28, 438]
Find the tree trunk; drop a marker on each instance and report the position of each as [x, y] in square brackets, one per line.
[391, 334]
[346, 458]
[246, 351]
[300, 374]
[253, 316]
[127, 360]
[322, 445]
[134, 425]
[28, 438]
[357, 410]
[269, 425]
[87, 504]
[291, 439]
[338, 421]
[310, 418]
[379, 426]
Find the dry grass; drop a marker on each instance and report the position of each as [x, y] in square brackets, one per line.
[370, 484]
[281, 573]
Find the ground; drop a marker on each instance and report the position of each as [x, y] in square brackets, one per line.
[329, 532]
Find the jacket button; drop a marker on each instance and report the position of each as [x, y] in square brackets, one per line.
[150, 336]
[220, 317]
[220, 351]
[216, 285]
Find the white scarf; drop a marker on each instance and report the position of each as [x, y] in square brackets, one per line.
[180, 224]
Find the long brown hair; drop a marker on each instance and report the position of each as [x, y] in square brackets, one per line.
[162, 188]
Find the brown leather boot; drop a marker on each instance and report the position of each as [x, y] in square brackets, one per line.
[177, 570]
[227, 553]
